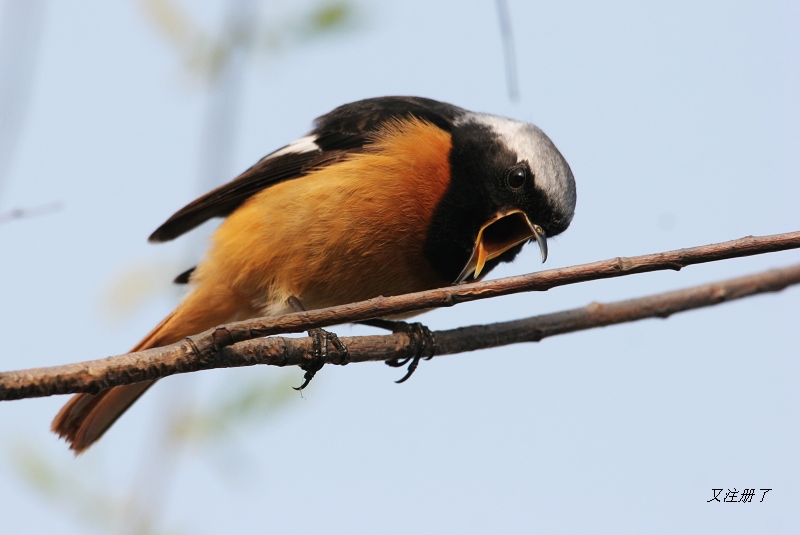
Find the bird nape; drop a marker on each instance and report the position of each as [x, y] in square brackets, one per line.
[384, 196]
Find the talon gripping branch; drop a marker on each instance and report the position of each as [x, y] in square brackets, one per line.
[384, 196]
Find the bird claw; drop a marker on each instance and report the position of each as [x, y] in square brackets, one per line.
[320, 339]
[422, 345]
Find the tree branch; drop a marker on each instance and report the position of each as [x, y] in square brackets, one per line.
[183, 357]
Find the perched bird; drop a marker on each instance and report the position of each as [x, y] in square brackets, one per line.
[384, 196]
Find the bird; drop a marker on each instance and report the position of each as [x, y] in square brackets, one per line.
[384, 196]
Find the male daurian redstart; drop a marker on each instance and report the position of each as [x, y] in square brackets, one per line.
[384, 196]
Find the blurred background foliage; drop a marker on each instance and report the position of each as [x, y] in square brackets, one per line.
[215, 58]
[20, 38]
[206, 51]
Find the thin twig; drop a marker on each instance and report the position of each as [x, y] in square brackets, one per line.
[36, 211]
[181, 357]
[508, 50]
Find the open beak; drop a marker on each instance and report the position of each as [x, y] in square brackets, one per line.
[498, 235]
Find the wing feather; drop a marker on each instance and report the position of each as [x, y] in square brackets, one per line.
[228, 197]
[343, 131]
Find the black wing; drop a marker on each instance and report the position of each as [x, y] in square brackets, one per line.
[345, 130]
[228, 197]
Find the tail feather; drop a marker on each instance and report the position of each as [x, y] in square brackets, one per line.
[86, 417]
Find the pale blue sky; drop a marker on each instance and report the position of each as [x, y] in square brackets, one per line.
[681, 121]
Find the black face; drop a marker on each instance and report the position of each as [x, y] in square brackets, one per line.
[486, 179]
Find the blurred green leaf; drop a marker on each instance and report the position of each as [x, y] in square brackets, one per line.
[205, 51]
[36, 469]
[331, 16]
[251, 403]
[172, 21]
[86, 500]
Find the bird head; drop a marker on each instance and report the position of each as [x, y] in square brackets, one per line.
[509, 185]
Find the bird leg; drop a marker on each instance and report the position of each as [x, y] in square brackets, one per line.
[421, 343]
[319, 339]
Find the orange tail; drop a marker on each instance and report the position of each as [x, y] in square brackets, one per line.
[85, 417]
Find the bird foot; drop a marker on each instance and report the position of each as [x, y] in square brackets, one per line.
[320, 339]
[422, 344]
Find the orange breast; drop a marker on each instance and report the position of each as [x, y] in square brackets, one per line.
[347, 232]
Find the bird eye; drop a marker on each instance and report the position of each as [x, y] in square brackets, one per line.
[516, 178]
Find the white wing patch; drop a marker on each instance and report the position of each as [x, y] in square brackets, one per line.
[304, 144]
